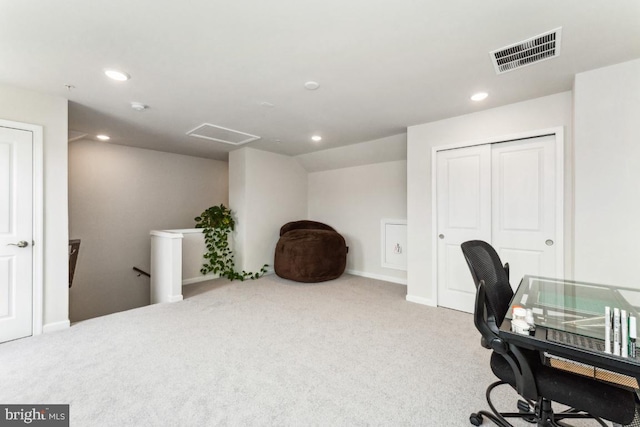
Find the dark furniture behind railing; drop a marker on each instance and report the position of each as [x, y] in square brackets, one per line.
[74, 248]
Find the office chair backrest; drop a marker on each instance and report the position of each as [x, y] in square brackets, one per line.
[485, 265]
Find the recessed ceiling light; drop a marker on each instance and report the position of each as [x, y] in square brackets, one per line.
[103, 137]
[117, 75]
[311, 85]
[316, 138]
[479, 96]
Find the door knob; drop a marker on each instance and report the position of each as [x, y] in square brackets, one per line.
[548, 242]
[20, 244]
[441, 236]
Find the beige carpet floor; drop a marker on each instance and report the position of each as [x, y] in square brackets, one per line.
[269, 352]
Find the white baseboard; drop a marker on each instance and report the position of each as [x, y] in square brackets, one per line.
[377, 277]
[174, 298]
[56, 326]
[199, 279]
[421, 300]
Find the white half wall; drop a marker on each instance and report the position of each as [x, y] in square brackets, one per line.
[541, 113]
[266, 190]
[607, 174]
[50, 112]
[354, 200]
[117, 195]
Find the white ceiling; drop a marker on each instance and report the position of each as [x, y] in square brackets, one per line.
[382, 65]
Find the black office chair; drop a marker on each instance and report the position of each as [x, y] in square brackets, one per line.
[523, 369]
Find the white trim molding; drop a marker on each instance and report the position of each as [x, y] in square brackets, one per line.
[56, 326]
[167, 234]
[377, 277]
[421, 300]
[199, 279]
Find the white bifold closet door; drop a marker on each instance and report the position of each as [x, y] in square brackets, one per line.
[503, 194]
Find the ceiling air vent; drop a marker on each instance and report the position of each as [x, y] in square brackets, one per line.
[536, 49]
[220, 134]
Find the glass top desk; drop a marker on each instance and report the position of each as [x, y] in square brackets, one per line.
[569, 326]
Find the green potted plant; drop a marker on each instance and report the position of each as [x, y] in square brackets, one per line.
[217, 223]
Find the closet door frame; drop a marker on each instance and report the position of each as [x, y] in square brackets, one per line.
[558, 133]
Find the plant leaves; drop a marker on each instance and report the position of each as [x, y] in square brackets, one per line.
[216, 223]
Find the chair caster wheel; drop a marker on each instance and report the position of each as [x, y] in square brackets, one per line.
[475, 419]
[524, 408]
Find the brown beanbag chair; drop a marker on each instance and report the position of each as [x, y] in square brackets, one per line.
[309, 251]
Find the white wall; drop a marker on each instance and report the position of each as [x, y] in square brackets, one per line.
[541, 113]
[354, 200]
[607, 174]
[51, 113]
[117, 195]
[266, 190]
[380, 150]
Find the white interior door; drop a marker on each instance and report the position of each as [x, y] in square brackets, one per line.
[464, 213]
[524, 211]
[16, 233]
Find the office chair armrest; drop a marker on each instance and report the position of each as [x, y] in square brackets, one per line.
[525, 382]
[491, 339]
[519, 362]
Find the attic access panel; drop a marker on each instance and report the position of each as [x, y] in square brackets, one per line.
[221, 134]
[535, 49]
